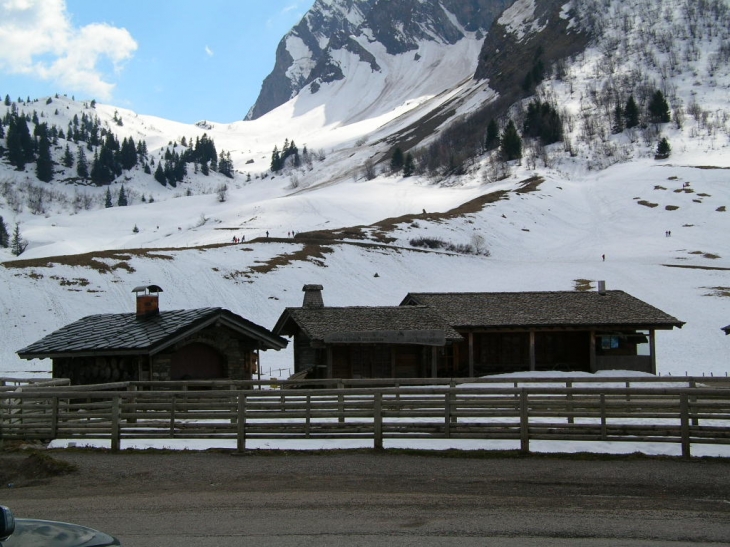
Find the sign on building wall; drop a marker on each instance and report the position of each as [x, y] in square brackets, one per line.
[413, 337]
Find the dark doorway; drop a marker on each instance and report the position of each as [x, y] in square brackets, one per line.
[197, 362]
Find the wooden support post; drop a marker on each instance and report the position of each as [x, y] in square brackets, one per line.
[592, 350]
[604, 431]
[533, 358]
[652, 350]
[684, 427]
[329, 362]
[434, 362]
[241, 423]
[115, 433]
[524, 423]
[378, 421]
[471, 355]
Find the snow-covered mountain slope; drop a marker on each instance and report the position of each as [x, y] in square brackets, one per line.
[603, 193]
[378, 44]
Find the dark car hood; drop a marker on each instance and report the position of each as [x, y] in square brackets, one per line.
[46, 533]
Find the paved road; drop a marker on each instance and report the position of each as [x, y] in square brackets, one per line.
[374, 499]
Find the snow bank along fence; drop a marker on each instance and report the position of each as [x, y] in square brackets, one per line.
[683, 410]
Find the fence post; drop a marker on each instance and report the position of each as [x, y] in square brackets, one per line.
[54, 418]
[378, 421]
[341, 405]
[241, 423]
[693, 385]
[447, 414]
[524, 423]
[684, 421]
[172, 416]
[604, 431]
[308, 419]
[569, 385]
[131, 404]
[115, 441]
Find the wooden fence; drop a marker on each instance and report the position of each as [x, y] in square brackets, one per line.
[683, 415]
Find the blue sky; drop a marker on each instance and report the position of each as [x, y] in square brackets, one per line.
[185, 60]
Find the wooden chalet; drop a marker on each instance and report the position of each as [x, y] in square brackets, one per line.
[196, 344]
[365, 342]
[538, 331]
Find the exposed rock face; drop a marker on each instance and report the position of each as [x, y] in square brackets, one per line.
[527, 32]
[365, 27]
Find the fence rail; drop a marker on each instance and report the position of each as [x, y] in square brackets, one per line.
[682, 415]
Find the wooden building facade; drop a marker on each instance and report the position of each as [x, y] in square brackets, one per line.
[365, 342]
[196, 344]
[537, 331]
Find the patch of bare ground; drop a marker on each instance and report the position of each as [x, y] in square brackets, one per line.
[710, 256]
[313, 253]
[379, 231]
[21, 470]
[671, 207]
[690, 267]
[723, 292]
[647, 203]
[721, 209]
[115, 260]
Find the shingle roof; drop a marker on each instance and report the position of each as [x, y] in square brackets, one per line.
[317, 323]
[125, 333]
[544, 309]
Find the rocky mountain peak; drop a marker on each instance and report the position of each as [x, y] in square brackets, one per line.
[366, 28]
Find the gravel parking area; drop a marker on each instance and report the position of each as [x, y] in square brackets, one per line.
[376, 498]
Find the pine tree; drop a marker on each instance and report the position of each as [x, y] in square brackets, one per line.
[44, 164]
[122, 199]
[68, 157]
[275, 159]
[20, 144]
[492, 140]
[659, 109]
[4, 235]
[510, 145]
[18, 244]
[7, 100]
[631, 113]
[542, 120]
[82, 166]
[396, 160]
[663, 150]
[160, 175]
[409, 165]
[108, 199]
[618, 120]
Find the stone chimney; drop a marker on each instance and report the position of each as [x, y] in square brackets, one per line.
[148, 301]
[313, 297]
[602, 288]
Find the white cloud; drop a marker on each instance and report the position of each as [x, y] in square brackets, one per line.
[37, 39]
[208, 51]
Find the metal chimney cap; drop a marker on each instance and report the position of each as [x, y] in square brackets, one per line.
[147, 288]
